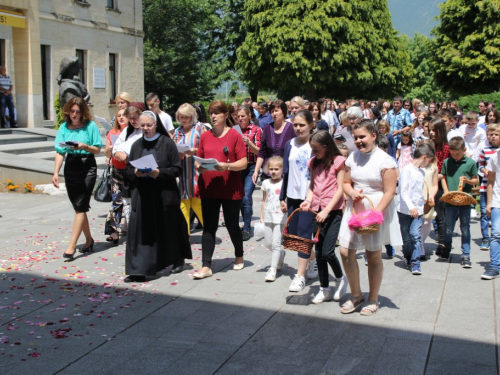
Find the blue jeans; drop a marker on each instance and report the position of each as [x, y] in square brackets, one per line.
[451, 214]
[495, 239]
[484, 218]
[247, 201]
[411, 233]
[6, 101]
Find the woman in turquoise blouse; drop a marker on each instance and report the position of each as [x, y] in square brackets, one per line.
[80, 167]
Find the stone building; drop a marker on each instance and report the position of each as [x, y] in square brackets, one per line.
[106, 35]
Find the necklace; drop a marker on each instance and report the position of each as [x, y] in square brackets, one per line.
[225, 150]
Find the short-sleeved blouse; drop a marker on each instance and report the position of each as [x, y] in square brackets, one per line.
[87, 134]
[227, 184]
[273, 144]
[325, 184]
[116, 163]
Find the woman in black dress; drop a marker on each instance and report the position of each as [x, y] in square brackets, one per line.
[157, 232]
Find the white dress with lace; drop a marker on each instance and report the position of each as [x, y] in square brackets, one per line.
[366, 175]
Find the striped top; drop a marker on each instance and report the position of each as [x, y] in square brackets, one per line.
[189, 180]
[484, 155]
[5, 82]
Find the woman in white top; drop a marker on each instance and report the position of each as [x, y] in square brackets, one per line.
[369, 172]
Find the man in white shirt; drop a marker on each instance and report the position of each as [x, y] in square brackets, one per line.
[472, 134]
[6, 100]
[449, 122]
[483, 107]
[153, 103]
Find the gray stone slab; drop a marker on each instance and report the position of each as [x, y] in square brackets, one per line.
[459, 367]
[463, 352]
[43, 367]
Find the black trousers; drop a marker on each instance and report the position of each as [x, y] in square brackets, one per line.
[210, 210]
[325, 247]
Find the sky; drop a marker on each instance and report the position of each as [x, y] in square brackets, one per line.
[410, 16]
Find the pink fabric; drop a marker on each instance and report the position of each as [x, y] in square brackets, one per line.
[365, 218]
[325, 184]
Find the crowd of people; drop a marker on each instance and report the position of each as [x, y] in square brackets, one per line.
[325, 169]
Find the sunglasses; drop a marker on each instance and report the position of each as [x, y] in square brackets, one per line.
[146, 125]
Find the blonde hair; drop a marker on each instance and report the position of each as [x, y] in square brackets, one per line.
[273, 160]
[386, 126]
[493, 128]
[125, 96]
[186, 109]
[298, 100]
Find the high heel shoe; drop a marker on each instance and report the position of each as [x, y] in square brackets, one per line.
[112, 239]
[87, 249]
[69, 256]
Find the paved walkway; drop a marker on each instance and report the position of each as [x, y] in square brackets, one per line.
[79, 317]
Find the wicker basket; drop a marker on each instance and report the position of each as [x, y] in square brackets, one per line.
[370, 229]
[296, 243]
[428, 205]
[458, 198]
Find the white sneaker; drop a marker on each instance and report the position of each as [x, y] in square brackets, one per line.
[322, 296]
[340, 288]
[271, 274]
[312, 269]
[282, 260]
[473, 213]
[298, 283]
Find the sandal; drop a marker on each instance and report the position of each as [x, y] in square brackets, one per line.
[351, 305]
[370, 308]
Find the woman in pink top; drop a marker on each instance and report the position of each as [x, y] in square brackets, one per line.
[325, 196]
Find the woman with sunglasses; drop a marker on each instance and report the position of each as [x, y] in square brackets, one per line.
[157, 234]
[222, 187]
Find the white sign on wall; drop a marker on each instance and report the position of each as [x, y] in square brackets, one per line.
[99, 78]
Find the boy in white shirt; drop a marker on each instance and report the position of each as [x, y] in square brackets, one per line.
[153, 103]
[410, 204]
[493, 211]
[472, 134]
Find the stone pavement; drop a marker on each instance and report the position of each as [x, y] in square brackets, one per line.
[79, 317]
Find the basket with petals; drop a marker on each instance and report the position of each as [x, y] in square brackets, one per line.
[297, 243]
[366, 222]
[458, 198]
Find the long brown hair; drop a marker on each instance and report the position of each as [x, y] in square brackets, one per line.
[324, 138]
[439, 129]
[82, 105]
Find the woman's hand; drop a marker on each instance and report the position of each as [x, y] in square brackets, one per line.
[192, 152]
[488, 210]
[246, 140]
[304, 206]
[55, 180]
[221, 167]
[356, 195]
[284, 208]
[154, 173]
[321, 217]
[201, 170]
[138, 173]
[255, 176]
[82, 146]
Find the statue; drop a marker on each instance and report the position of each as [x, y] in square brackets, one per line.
[70, 84]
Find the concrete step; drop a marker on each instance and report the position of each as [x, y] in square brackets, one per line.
[6, 139]
[46, 155]
[28, 148]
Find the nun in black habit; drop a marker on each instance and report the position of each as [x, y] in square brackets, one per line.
[157, 231]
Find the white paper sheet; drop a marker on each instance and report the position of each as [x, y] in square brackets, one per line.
[238, 129]
[349, 141]
[114, 137]
[183, 147]
[146, 162]
[208, 164]
[105, 123]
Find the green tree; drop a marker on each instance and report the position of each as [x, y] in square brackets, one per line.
[177, 63]
[465, 53]
[331, 47]
[424, 85]
[234, 89]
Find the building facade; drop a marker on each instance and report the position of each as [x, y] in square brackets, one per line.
[106, 36]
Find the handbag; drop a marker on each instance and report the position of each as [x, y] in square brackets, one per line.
[103, 191]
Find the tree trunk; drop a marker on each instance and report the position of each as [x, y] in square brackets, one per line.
[310, 93]
[253, 94]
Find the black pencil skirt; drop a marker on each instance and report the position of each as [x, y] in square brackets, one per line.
[80, 173]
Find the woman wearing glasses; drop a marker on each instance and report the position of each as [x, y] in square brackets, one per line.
[222, 186]
[80, 167]
[157, 232]
[353, 116]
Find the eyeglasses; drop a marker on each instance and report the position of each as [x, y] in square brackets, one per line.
[74, 111]
[352, 118]
[406, 105]
[147, 125]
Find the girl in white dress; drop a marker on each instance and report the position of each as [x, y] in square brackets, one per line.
[369, 172]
